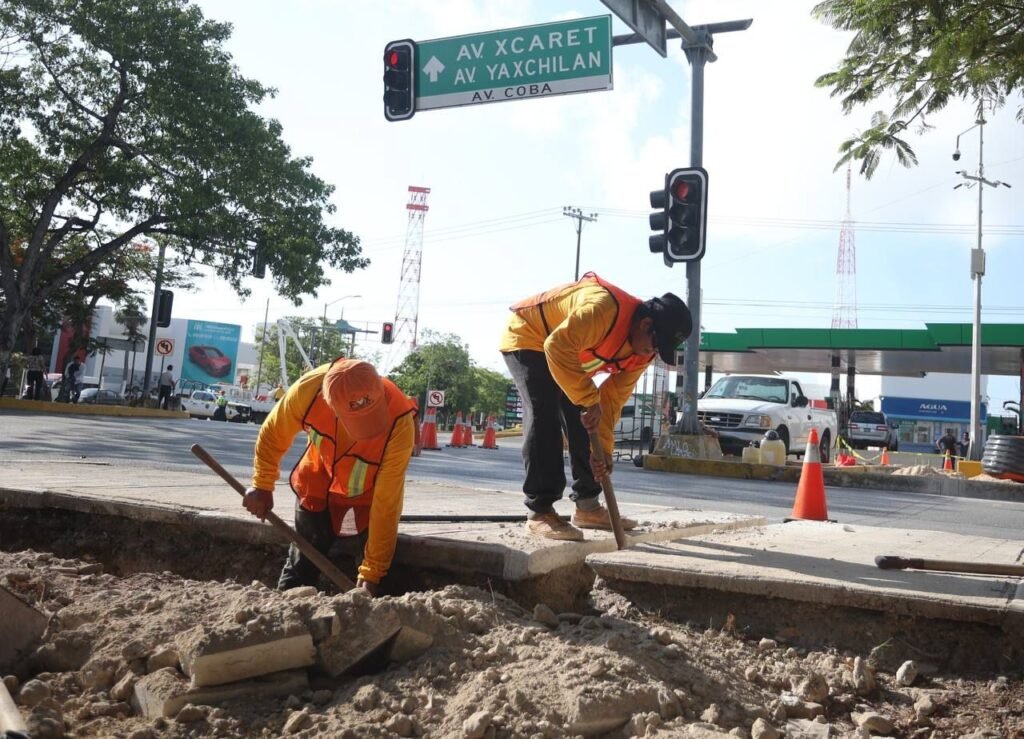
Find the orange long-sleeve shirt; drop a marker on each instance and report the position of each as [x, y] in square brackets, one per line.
[579, 320]
[276, 436]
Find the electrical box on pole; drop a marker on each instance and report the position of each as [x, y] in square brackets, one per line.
[400, 80]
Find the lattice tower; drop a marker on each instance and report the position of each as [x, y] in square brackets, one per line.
[844, 305]
[408, 311]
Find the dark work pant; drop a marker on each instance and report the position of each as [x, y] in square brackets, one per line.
[316, 528]
[165, 397]
[547, 413]
[36, 385]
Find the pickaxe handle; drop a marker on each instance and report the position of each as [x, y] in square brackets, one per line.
[609, 494]
[323, 564]
[892, 562]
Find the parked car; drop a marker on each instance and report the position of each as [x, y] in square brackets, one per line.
[210, 359]
[872, 428]
[100, 396]
[203, 404]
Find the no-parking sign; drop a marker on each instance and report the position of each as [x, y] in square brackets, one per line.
[435, 398]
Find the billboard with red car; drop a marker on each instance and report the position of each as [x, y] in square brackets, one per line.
[211, 351]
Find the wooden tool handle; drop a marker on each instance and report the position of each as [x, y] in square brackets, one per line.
[893, 562]
[323, 564]
[609, 494]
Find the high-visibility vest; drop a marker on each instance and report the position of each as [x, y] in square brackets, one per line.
[343, 479]
[600, 358]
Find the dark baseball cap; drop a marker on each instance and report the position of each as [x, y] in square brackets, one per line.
[672, 324]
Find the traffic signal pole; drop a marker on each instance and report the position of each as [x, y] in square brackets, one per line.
[157, 284]
[696, 54]
[697, 44]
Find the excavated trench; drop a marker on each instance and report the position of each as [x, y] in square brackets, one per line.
[196, 550]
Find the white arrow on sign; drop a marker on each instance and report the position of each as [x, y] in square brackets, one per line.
[433, 68]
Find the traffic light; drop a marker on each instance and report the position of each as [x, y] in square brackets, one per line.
[163, 312]
[387, 333]
[400, 80]
[681, 216]
[259, 263]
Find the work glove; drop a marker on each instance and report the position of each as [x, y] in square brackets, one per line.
[258, 502]
[369, 587]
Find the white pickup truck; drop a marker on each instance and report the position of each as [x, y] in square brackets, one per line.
[741, 408]
[203, 403]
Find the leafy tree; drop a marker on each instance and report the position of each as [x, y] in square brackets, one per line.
[119, 120]
[923, 53]
[440, 362]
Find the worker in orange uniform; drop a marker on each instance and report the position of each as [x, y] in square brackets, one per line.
[351, 478]
[554, 344]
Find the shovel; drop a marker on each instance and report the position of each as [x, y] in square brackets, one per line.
[892, 562]
[323, 564]
[609, 495]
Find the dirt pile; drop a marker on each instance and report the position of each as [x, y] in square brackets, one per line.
[485, 667]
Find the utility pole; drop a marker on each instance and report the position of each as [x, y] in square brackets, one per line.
[157, 284]
[580, 217]
[977, 272]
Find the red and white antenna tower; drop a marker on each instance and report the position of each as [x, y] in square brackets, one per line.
[844, 305]
[408, 312]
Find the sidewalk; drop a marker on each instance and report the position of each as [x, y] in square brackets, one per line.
[827, 564]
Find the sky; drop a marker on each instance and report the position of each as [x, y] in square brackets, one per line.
[500, 175]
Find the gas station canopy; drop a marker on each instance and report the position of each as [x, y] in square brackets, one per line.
[940, 347]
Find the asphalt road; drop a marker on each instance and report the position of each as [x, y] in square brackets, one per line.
[165, 444]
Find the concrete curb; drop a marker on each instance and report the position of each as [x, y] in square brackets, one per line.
[73, 409]
[863, 477]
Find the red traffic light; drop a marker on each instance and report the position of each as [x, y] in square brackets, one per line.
[680, 189]
[387, 333]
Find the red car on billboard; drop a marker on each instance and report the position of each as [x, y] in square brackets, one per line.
[210, 359]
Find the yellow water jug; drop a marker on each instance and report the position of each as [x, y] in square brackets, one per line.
[751, 454]
[773, 452]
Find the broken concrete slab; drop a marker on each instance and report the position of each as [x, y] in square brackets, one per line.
[22, 626]
[228, 652]
[167, 691]
[365, 627]
[409, 644]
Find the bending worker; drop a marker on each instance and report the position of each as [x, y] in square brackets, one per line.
[554, 344]
[351, 478]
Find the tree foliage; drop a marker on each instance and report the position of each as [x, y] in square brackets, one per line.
[922, 53]
[442, 362]
[119, 120]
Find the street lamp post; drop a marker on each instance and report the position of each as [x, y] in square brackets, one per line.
[977, 272]
[323, 326]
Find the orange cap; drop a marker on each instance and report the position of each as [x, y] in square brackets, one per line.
[354, 391]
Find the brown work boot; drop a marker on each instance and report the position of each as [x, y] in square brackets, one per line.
[599, 518]
[552, 526]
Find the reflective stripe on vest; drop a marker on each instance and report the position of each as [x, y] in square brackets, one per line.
[600, 358]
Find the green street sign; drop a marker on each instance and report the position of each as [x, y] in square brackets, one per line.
[512, 64]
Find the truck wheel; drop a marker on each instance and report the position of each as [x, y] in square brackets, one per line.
[825, 447]
[783, 433]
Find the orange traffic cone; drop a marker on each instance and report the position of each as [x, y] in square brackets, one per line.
[456, 440]
[885, 456]
[490, 437]
[810, 492]
[428, 431]
[467, 431]
[947, 465]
